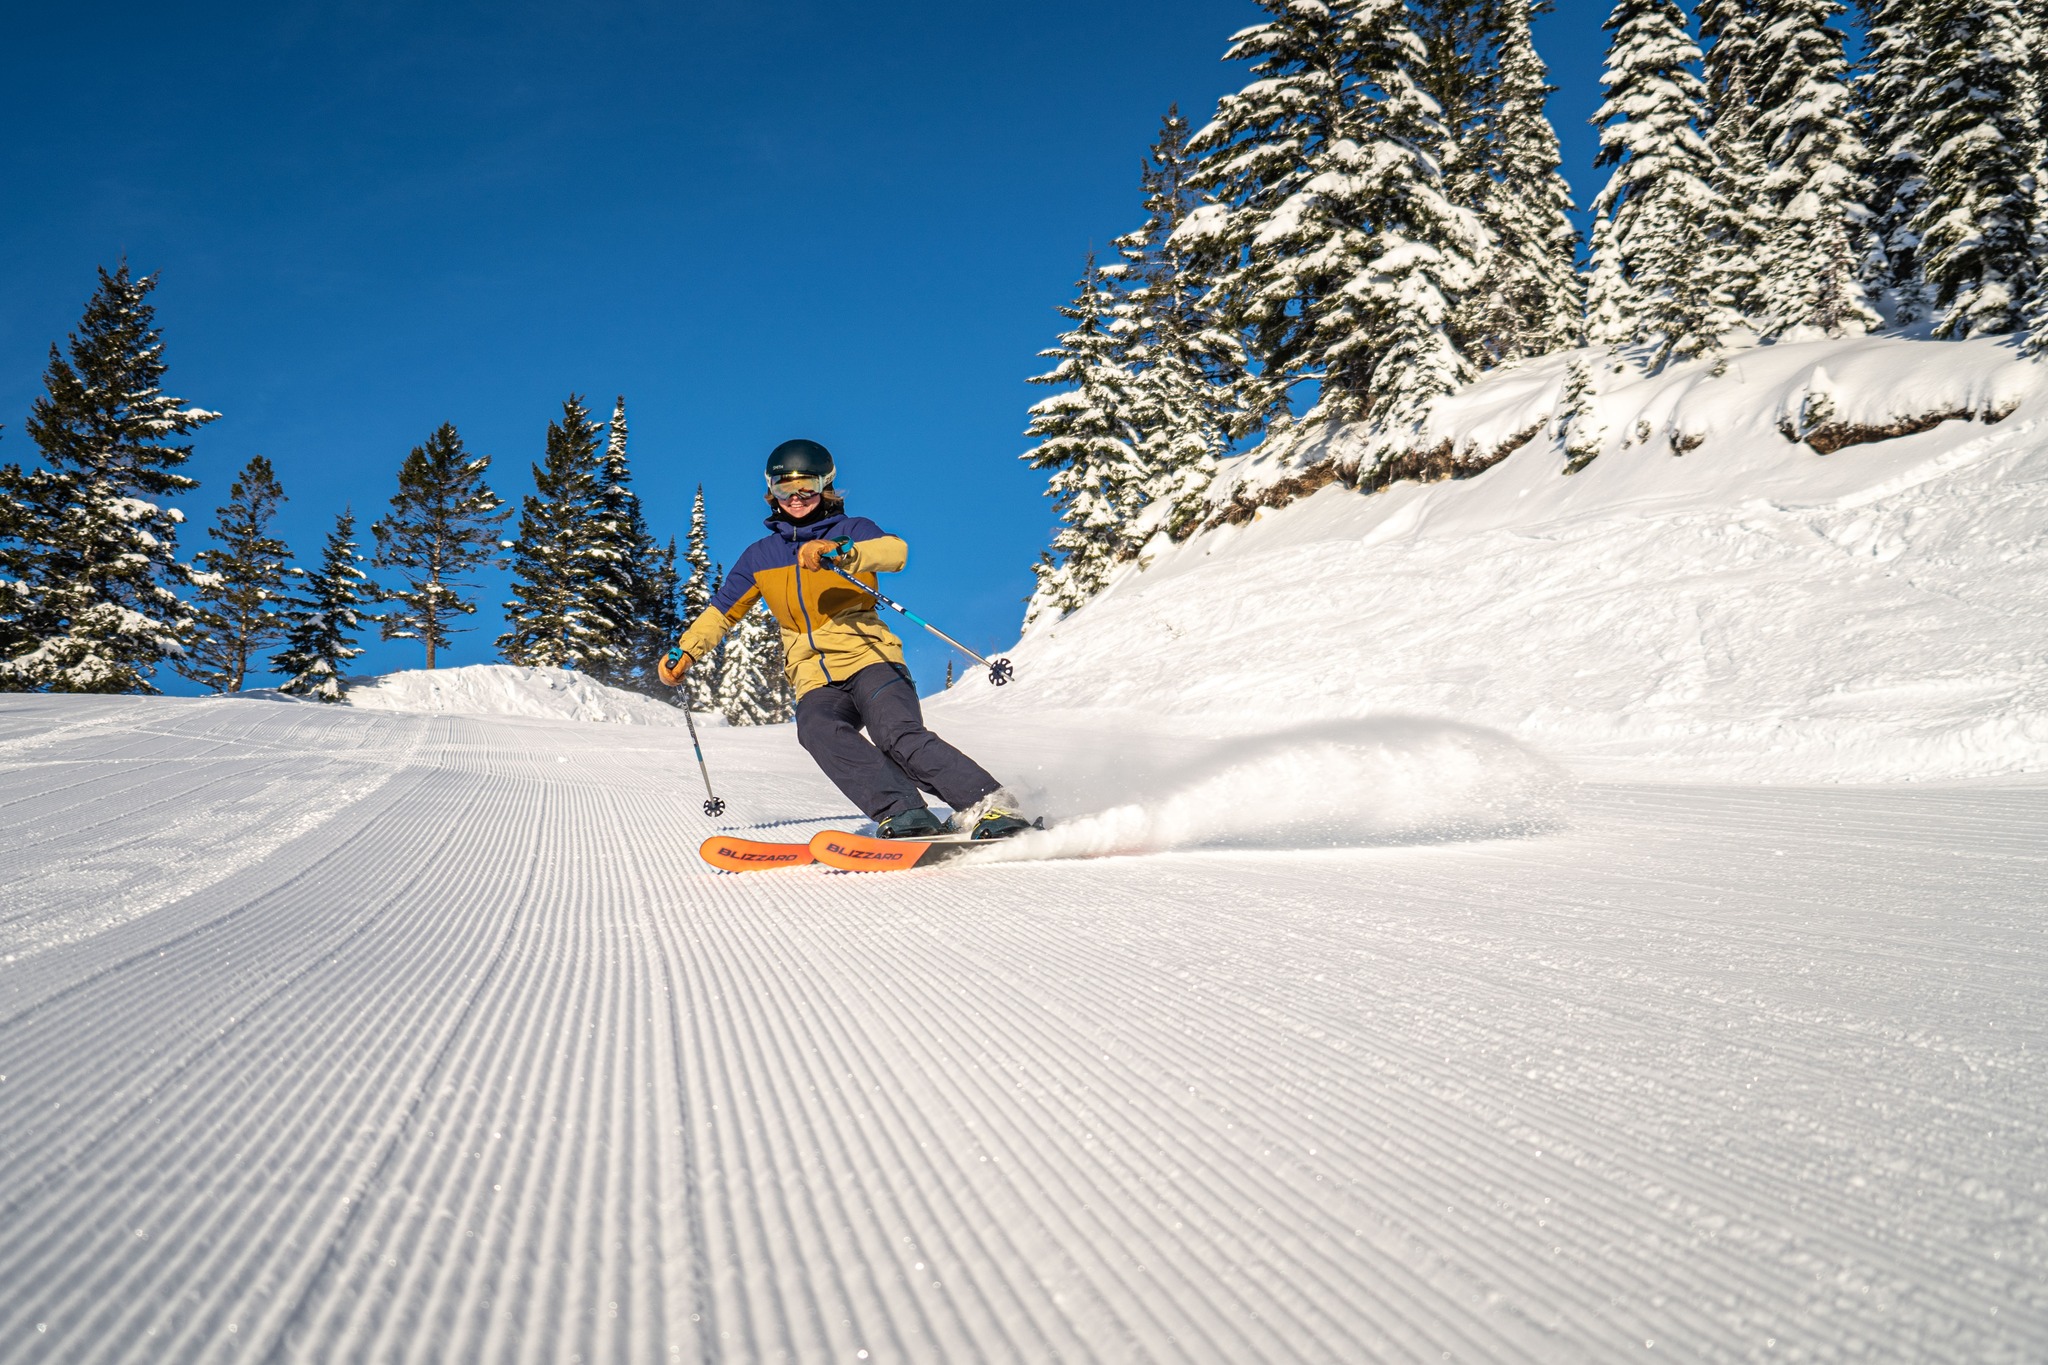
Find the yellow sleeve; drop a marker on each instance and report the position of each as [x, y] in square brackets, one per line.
[883, 554]
[709, 628]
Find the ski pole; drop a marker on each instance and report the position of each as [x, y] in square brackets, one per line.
[714, 804]
[1000, 670]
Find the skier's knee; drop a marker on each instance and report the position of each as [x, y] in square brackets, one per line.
[814, 729]
[903, 746]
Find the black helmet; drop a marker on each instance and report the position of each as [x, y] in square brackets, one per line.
[800, 457]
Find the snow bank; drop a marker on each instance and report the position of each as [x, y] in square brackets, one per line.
[1705, 600]
[509, 690]
[1827, 392]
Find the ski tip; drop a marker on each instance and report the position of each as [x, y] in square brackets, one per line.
[751, 855]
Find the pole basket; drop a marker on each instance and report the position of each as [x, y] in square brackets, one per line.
[1000, 671]
[715, 807]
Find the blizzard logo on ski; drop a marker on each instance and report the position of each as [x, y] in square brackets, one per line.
[869, 854]
[751, 855]
[741, 855]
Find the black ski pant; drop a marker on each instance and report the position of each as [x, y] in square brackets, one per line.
[883, 777]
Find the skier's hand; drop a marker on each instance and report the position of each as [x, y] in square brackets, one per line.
[673, 665]
[812, 554]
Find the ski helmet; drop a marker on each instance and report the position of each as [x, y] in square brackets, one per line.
[800, 457]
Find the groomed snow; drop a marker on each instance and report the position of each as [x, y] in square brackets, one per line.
[334, 1034]
[1748, 610]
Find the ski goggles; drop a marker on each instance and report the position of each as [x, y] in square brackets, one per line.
[790, 485]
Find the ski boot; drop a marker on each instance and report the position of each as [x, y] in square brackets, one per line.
[993, 817]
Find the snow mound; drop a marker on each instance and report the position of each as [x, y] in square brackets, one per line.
[1706, 599]
[1352, 784]
[510, 690]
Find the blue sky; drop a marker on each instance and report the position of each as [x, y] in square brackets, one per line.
[848, 222]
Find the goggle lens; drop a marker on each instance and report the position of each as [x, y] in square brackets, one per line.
[789, 485]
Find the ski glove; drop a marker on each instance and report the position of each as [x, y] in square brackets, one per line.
[673, 665]
[815, 554]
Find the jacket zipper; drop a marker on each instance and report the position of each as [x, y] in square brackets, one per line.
[804, 607]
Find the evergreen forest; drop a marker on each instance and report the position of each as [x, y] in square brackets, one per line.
[1377, 218]
[94, 597]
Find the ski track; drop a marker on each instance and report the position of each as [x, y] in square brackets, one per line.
[430, 1038]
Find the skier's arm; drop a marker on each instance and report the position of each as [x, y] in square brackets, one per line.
[869, 549]
[709, 628]
[883, 554]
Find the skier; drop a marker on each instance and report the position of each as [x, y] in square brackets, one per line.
[846, 666]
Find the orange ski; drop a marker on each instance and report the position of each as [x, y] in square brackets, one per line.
[751, 855]
[860, 853]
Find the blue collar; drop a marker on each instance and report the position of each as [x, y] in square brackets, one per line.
[823, 528]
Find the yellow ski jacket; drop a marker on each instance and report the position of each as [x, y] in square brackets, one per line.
[829, 627]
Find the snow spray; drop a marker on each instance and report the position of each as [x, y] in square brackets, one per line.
[1342, 784]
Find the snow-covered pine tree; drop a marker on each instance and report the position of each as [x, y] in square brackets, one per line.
[20, 552]
[1504, 168]
[563, 610]
[662, 622]
[1980, 122]
[324, 616]
[93, 555]
[1458, 74]
[16, 556]
[657, 607]
[1896, 40]
[1346, 254]
[1258, 155]
[700, 684]
[442, 524]
[239, 585]
[1390, 345]
[1088, 444]
[625, 593]
[2034, 19]
[1612, 304]
[2034, 304]
[1732, 78]
[2033, 309]
[1184, 365]
[1576, 430]
[753, 685]
[1659, 207]
[1813, 189]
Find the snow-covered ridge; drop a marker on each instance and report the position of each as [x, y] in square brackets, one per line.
[1830, 394]
[1705, 599]
[510, 690]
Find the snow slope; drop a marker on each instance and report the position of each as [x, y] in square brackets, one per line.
[1746, 610]
[511, 690]
[337, 1034]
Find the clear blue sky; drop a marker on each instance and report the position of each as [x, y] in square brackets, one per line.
[845, 221]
